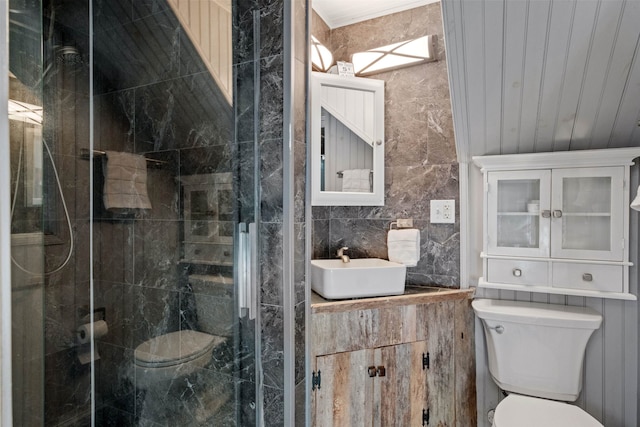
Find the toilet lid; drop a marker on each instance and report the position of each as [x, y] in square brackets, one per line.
[525, 411]
[174, 348]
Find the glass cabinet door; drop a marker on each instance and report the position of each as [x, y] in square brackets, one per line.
[587, 220]
[518, 213]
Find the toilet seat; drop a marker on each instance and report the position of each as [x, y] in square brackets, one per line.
[525, 411]
[174, 348]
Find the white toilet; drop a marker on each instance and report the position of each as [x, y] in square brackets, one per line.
[178, 354]
[536, 352]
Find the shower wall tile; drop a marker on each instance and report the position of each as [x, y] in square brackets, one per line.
[154, 263]
[153, 312]
[144, 8]
[271, 97]
[272, 340]
[243, 34]
[116, 377]
[168, 115]
[271, 28]
[274, 406]
[203, 160]
[206, 399]
[244, 101]
[299, 342]
[271, 180]
[137, 53]
[271, 241]
[114, 121]
[109, 14]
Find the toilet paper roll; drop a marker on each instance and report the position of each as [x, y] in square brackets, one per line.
[100, 329]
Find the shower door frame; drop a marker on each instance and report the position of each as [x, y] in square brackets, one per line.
[6, 402]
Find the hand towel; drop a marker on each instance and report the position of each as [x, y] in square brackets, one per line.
[356, 180]
[403, 246]
[125, 181]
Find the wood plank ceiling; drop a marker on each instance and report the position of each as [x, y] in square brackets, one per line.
[543, 75]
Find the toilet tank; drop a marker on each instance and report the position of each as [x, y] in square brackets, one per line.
[537, 349]
[213, 300]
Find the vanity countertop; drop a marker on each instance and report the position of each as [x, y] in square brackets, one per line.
[412, 295]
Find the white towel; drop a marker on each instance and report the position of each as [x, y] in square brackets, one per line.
[125, 181]
[356, 180]
[403, 246]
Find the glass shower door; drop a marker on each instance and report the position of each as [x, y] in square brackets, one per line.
[130, 312]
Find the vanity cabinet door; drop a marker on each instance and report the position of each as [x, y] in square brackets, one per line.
[401, 395]
[396, 385]
[587, 218]
[345, 396]
[518, 215]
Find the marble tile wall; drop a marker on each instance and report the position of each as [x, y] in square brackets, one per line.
[271, 151]
[420, 155]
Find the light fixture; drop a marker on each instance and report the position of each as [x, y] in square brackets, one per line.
[321, 57]
[25, 112]
[397, 55]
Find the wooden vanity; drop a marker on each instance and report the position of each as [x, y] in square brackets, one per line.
[405, 360]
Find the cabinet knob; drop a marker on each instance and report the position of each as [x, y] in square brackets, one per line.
[371, 371]
[381, 371]
[587, 277]
[499, 328]
[557, 213]
[517, 272]
[546, 214]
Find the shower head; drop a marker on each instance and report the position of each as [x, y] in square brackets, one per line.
[67, 55]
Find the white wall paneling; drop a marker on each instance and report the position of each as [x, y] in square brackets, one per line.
[546, 75]
[208, 25]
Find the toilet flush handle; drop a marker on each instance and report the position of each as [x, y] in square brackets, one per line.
[498, 328]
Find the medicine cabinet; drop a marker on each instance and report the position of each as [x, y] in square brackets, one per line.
[558, 222]
[347, 141]
[208, 219]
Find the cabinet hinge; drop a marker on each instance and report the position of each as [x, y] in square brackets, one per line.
[623, 243]
[425, 361]
[425, 417]
[316, 379]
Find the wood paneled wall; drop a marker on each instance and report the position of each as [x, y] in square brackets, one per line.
[208, 25]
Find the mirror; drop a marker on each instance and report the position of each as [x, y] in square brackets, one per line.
[347, 142]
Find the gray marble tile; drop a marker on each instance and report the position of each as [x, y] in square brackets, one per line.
[155, 264]
[272, 338]
[271, 97]
[271, 181]
[271, 263]
[274, 406]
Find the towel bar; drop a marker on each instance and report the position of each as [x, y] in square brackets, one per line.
[340, 174]
[84, 154]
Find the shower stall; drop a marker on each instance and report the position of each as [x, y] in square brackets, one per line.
[106, 296]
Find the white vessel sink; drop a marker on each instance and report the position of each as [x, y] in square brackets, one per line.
[362, 277]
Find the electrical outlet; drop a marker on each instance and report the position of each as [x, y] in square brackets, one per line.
[405, 222]
[443, 211]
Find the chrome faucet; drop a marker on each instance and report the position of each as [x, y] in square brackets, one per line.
[345, 258]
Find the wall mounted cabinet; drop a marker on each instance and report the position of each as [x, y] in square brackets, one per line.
[558, 222]
[208, 219]
[347, 141]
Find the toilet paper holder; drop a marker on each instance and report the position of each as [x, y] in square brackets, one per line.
[84, 314]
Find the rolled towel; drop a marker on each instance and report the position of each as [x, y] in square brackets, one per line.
[125, 181]
[403, 246]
